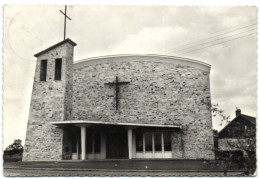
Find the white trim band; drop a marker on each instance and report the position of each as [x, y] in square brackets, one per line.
[141, 58]
[58, 123]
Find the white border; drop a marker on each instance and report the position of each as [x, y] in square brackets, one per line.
[137, 2]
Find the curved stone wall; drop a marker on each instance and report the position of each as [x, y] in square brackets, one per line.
[161, 91]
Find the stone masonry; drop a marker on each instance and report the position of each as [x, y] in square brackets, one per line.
[158, 93]
[50, 101]
[162, 90]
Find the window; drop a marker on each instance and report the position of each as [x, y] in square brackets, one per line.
[89, 143]
[167, 141]
[74, 143]
[139, 141]
[93, 143]
[148, 142]
[43, 70]
[153, 141]
[58, 63]
[97, 143]
[158, 141]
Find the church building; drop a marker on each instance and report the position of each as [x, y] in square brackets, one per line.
[118, 107]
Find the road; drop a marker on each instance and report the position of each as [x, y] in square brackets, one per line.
[46, 172]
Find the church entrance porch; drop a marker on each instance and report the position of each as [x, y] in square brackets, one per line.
[116, 141]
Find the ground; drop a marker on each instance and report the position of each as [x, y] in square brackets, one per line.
[39, 172]
[119, 168]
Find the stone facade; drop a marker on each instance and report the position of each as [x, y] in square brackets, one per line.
[49, 102]
[177, 145]
[161, 91]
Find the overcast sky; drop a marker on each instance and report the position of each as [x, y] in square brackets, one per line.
[106, 30]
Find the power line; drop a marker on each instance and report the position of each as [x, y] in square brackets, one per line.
[229, 30]
[223, 30]
[211, 41]
[213, 36]
[141, 57]
[216, 44]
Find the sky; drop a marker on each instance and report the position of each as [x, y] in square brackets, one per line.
[109, 30]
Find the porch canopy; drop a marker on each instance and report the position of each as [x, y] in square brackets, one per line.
[90, 123]
[129, 126]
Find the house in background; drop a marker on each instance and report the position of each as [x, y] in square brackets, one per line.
[238, 138]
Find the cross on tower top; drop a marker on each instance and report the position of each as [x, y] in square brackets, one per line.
[65, 17]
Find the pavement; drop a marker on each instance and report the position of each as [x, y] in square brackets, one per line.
[118, 168]
[38, 172]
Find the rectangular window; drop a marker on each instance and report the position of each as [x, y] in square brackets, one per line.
[97, 143]
[74, 143]
[167, 141]
[158, 141]
[43, 70]
[148, 142]
[93, 140]
[89, 143]
[139, 141]
[58, 63]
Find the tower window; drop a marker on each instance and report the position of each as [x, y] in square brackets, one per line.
[43, 71]
[58, 63]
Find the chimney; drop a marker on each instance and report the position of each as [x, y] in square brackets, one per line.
[238, 112]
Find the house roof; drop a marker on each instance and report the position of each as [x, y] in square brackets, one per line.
[56, 45]
[249, 118]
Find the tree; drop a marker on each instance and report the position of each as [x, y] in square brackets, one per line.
[220, 112]
[15, 148]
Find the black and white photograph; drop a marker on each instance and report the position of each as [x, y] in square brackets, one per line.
[102, 90]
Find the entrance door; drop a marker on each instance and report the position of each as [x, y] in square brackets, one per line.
[117, 145]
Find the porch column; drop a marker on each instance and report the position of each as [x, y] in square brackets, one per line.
[130, 140]
[83, 142]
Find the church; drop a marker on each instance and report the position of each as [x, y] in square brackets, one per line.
[118, 107]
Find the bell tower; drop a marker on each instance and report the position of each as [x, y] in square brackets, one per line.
[51, 100]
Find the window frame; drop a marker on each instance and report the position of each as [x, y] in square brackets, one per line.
[43, 71]
[137, 149]
[58, 75]
[162, 141]
[93, 143]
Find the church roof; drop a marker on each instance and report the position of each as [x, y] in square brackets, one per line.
[56, 45]
[142, 57]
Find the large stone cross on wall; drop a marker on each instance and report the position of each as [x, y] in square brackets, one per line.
[117, 85]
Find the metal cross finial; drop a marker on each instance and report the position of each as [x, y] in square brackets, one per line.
[65, 17]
